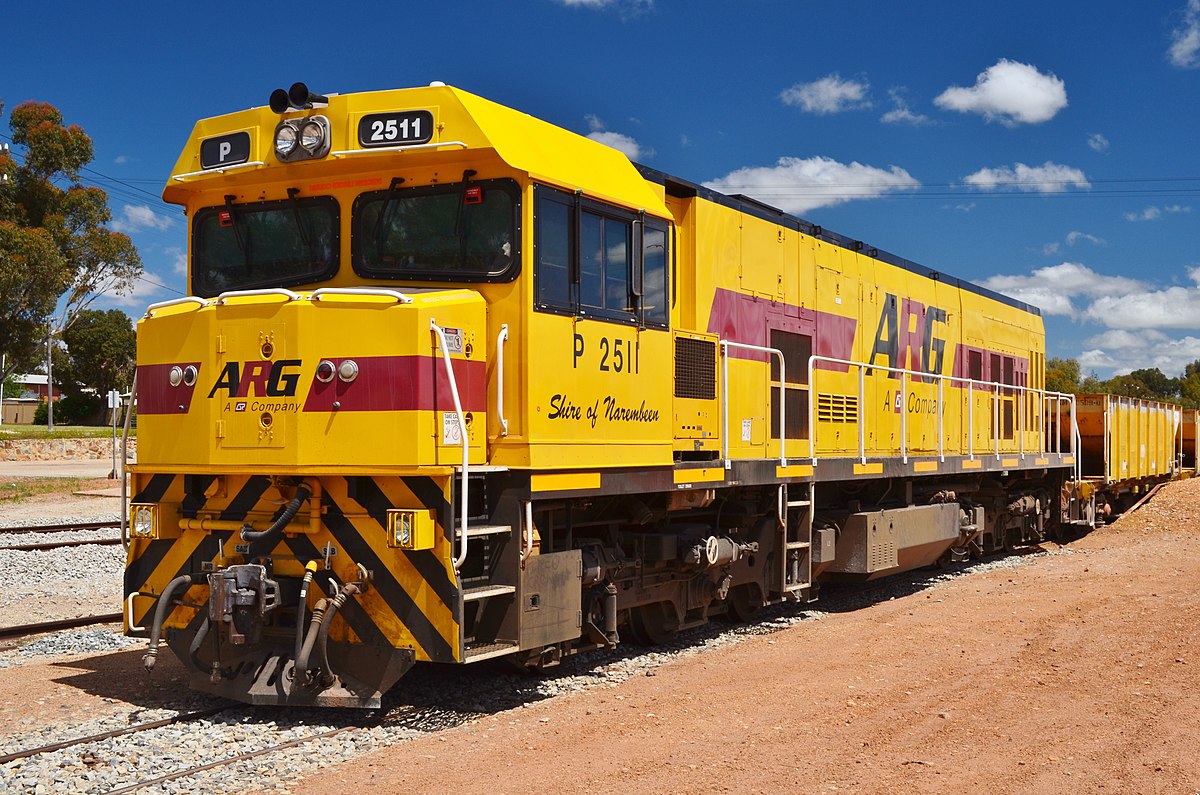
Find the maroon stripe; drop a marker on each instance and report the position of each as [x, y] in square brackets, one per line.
[748, 319]
[155, 395]
[401, 383]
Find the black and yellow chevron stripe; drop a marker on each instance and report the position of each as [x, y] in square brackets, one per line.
[414, 600]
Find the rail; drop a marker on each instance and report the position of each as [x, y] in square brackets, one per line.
[125, 464]
[379, 150]
[462, 432]
[282, 292]
[725, 346]
[993, 387]
[187, 299]
[221, 170]
[364, 292]
[501, 338]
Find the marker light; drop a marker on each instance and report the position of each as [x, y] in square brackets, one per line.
[325, 371]
[143, 521]
[348, 370]
[189, 375]
[176, 376]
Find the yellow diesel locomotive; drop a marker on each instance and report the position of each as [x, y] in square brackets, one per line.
[452, 383]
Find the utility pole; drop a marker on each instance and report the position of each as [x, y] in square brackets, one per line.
[49, 380]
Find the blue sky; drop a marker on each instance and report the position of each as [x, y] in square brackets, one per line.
[1045, 149]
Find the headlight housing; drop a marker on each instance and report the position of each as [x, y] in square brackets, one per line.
[143, 521]
[305, 138]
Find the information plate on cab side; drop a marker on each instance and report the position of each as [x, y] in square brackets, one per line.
[225, 150]
[400, 128]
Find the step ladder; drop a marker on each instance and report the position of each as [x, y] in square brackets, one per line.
[489, 592]
[793, 574]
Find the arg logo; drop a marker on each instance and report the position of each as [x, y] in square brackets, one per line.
[258, 379]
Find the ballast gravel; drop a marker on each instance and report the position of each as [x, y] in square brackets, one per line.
[428, 700]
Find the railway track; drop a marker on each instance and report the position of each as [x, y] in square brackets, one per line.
[24, 630]
[64, 527]
[71, 527]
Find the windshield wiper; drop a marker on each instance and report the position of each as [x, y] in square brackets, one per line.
[242, 243]
[460, 232]
[385, 215]
[301, 227]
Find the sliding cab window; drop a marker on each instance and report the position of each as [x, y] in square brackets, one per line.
[264, 244]
[462, 231]
[599, 261]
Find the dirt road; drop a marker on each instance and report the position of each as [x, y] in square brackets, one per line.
[1078, 672]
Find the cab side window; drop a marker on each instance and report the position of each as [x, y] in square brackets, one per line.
[599, 261]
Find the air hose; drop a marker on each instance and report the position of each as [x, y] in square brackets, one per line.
[183, 581]
[335, 604]
[248, 533]
[309, 570]
[310, 639]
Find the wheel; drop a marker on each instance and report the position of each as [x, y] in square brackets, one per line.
[744, 602]
[654, 625]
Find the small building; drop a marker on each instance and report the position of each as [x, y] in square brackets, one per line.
[20, 410]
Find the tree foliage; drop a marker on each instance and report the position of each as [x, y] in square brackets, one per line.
[1062, 375]
[55, 248]
[100, 353]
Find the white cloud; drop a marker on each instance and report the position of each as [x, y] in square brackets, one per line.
[178, 260]
[1075, 237]
[797, 185]
[1173, 307]
[1009, 92]
[139, 217]
[830, 94]
[121, 160]
[1098, 142]
[1046, 178]
[623, 5]
[1153, 213]
[1125, 351]
[1184, 51]
[901, 113]
[622, 143]
[1056, 288]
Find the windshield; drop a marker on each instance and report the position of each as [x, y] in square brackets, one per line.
[466, 231]
[267, 244]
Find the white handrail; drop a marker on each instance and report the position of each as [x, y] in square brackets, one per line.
[221, 170]
[279, 291]
[187, 299]
[725, 344]
[371, 292]
[124, 461]
[501, 338]
[462, 428]
[384, 149]
[970, 383]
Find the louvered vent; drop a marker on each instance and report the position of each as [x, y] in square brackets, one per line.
[837, 408]
[695, 369]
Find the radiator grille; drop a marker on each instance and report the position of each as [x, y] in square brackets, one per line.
[837, 408]
[695, 369]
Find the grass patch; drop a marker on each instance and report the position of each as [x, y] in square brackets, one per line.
[21, 489]
[62, 432]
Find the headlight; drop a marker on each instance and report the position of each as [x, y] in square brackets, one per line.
[305, 138]
[312, 135]
[143, 521]
[285, 141]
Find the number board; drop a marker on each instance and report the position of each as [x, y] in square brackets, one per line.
[402, 128]
[225, 150]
